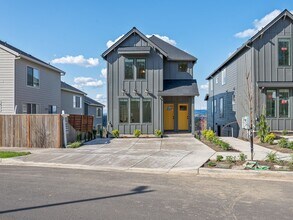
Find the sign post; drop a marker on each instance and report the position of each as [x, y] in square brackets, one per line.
[64, 116]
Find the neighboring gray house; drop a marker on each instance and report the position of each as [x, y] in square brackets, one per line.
[75, 101]
[72, 99]
[150, 85]
[263, 66]
[27, 84]
[94, 108]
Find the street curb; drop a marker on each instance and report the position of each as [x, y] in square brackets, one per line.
[12, 162]
[280, 175]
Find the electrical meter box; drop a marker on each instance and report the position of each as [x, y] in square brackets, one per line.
[246, 122]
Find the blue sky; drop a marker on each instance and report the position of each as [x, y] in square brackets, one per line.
[74, 34]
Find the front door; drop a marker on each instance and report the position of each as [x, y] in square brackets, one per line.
[182, 117]
[168, 117]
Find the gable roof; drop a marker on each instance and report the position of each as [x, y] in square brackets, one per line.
[20, 53]
[173, 53]
[168, 50]
[129, 33]
[91, 101]
[284, 13]
[67, 87]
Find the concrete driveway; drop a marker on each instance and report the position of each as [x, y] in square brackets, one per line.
[176, 153]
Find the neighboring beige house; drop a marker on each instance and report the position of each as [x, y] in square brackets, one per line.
[27, 84]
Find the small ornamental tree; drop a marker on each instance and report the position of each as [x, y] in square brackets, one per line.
[263, 128]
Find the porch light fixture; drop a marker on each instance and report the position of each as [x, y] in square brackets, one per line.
[135, 91]
[123, 91]
[146, 92]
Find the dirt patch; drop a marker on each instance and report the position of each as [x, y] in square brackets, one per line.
[276, 147]
[216, 147]
[239, 165]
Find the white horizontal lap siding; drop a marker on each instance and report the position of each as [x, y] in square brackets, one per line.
[6, 82]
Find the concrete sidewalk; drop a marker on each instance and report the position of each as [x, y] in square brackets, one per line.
[260, 152]
[176, 153]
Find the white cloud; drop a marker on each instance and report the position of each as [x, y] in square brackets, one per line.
[110, 42]
[258, 24]
[164, 38]
[204, 86]
[81, 82]
[104, 73]
[77, 60]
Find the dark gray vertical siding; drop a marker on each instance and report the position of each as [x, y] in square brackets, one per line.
[267, 69]
[171, 70]
[116, 83]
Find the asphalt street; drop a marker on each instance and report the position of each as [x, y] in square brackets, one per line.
[48, 193]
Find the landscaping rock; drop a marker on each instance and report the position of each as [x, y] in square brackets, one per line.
[238, 167]
[278, 167]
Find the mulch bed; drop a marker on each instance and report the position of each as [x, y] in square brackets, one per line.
[276, 147]
[239, 165]
[217, 148]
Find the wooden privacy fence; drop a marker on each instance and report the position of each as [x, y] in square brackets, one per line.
[82, 123]
[41, 131]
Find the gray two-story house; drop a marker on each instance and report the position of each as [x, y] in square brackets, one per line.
[150, 85]
[27, 84]
[255, 79]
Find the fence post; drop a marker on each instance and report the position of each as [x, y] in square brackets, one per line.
[64, 116]
[28, 130]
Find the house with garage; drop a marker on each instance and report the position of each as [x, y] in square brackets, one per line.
[256, 79]
[150, 85]
[75, 101]
[28, 85]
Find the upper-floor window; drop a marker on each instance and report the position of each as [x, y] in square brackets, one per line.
[182, 67]
[99, 112]
[52, 109]
[224, 76]
[217, 79]
[284, 52]
[131, 65]
[140, 65]
[221, 107]
[215, 105]
[32, 77]
[77, 101]
[211, 84]
[129, 69]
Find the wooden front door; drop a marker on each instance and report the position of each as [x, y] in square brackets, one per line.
[168, 117]
[183, 117]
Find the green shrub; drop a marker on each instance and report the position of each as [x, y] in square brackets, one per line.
[75, 144]
[225, 146]
[210, 135]
[242, 157]
[204, 133]
[78, 137]
[137, 133]
[263, 128]
[272, 157]
[219, 158]
[284, 132]
[231, 159]
[95, 133]
[283, 142]
[270, 138]
[116, 133]
[290, 145]
[158, 133]
[211, 164]
[216, 140]
[101, 132]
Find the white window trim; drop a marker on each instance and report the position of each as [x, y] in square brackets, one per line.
[35, 87]
[74, 102]
[217, 79]
[97, 116]
[211, 84]
[224, 76]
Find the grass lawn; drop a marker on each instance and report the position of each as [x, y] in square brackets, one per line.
[8, 154]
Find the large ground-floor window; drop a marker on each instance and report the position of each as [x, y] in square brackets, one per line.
[277, 99]
[138, 110]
